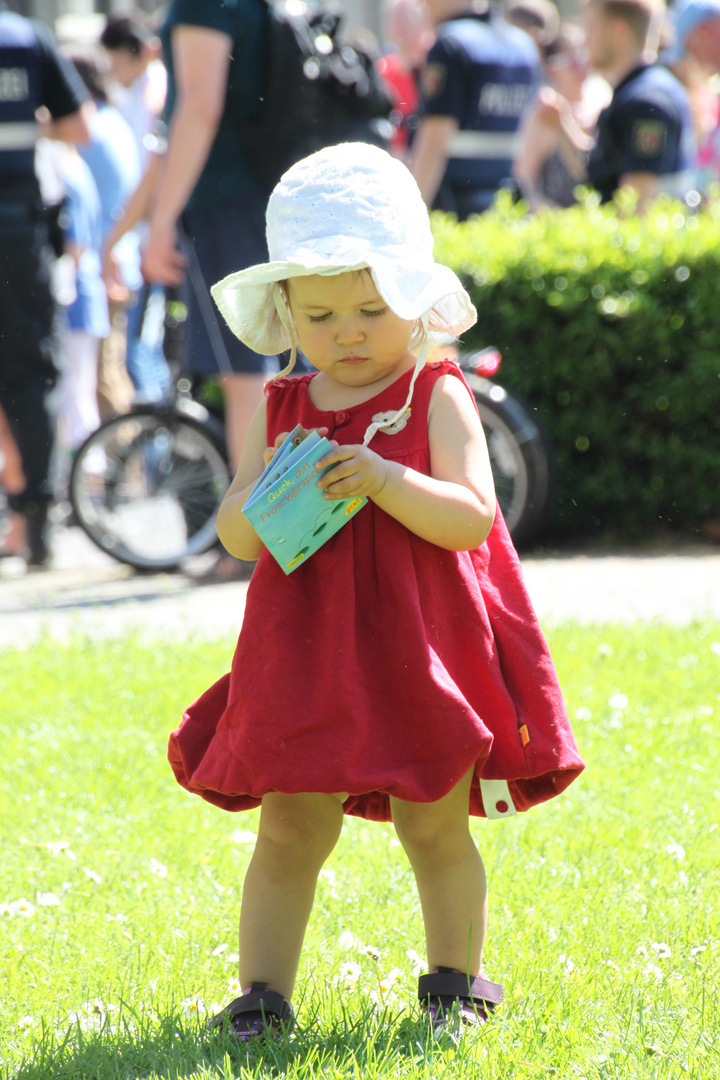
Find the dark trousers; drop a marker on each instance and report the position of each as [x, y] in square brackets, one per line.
[27, 342]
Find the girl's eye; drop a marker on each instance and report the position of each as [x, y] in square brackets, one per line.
[319, 318]
[373, 314]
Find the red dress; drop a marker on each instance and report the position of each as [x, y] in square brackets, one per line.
[384, 665]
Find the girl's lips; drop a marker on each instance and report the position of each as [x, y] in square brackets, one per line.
[353, 360]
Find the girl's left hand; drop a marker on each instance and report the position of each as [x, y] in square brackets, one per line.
[358, 473]
[271, 451]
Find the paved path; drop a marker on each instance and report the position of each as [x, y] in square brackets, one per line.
[88, 593]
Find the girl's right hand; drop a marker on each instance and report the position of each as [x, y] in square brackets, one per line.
[271, 451]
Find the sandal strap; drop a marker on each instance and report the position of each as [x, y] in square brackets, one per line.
[258, 999]
[453, 984]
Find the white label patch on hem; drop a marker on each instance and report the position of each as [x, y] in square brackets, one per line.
[383, 417]
[497, 801]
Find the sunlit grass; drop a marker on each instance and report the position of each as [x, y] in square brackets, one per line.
[119, 893]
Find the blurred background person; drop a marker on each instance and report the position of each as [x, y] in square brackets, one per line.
[408, 37]
[696, 26]
[113, 159]
[207, 192]
[481, 76]
[84, 307]
[207, 186]
[34, 78]
[135, 57]
[546, 173]
[700, 83]
[645, 137]
[538, 18]
[694, 56]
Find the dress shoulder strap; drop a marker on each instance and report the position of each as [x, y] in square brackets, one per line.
[284, 401]
[430, 375]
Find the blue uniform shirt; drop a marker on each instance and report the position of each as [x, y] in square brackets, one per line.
[31, 74]
[482, 72]
[647, 128]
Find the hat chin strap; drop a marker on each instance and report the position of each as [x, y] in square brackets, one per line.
[419, 365]
[286, 319]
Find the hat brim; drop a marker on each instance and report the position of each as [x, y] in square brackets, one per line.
[245, 298]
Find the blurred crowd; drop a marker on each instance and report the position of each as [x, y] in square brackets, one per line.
[122, 176]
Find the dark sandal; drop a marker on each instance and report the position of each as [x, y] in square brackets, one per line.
[258, 1011]
[446, 994]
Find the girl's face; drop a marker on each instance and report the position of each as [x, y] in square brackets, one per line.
[346, 329]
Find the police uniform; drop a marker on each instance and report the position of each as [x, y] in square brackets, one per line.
[31, 75]
[646, 128]
[482, 72]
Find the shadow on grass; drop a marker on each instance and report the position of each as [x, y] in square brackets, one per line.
[170, 1045]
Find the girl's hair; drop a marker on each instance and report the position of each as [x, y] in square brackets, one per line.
[283, 289]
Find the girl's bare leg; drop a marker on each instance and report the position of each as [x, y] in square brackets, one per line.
[450, 877]
[295, 837]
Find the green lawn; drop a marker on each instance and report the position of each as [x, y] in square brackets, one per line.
[119, 893]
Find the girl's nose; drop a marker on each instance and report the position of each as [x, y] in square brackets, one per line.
[349, 331]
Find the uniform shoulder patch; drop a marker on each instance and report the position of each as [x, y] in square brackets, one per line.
[649, 138]
[432, 82]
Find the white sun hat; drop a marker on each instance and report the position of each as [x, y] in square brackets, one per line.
[344, 208]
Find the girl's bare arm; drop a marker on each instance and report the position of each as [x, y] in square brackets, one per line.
[233, 528]
[455, 506]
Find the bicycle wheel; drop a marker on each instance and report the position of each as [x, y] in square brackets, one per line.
[521, 459]
[146, 487]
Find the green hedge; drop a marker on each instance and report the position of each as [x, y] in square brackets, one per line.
[610, 327]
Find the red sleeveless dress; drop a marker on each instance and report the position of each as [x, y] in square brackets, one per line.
[384, 665]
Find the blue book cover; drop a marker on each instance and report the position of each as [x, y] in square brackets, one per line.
[286, 507]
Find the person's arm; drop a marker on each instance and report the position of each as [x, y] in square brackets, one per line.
[538, 141]
[650, 137]
[430, 154]
[137, 209]
[645, 184]
[443, 86]
[201, 60]
[554, 113]
[454, 507]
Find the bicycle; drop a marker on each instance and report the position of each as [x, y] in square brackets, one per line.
[146, 486]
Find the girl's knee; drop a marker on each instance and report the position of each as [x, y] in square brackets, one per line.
[299, 829]
[442, 825]
[425, 828]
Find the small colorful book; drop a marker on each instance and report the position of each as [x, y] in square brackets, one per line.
[286, 507]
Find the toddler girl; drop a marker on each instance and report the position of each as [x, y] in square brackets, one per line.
[400, 672]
